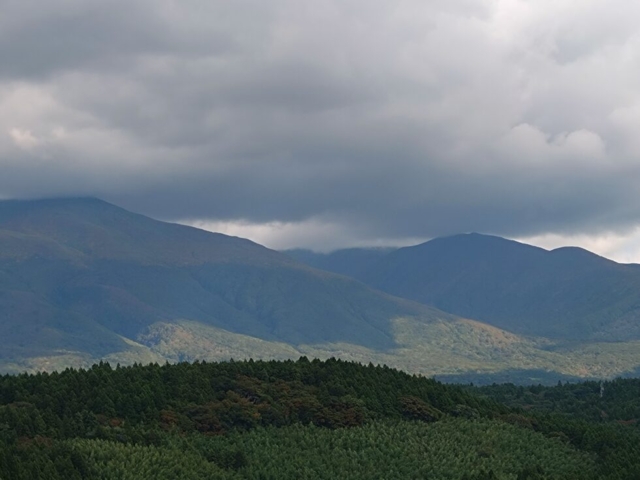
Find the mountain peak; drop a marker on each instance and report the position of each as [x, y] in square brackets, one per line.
[467, 246]
[54, 202]
[96, 229]
[568, 292]
[79, 275]
[484, 238]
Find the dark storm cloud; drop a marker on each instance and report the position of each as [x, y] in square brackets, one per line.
[383, 119]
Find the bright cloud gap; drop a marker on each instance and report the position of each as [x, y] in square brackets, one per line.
[326, 237]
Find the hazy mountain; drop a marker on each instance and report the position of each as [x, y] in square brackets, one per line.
[82, 280]
[353, 262]
[81, 275]
[566, 293]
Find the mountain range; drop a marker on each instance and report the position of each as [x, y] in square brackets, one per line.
[567, 293]
[83, 276]
[82, 280]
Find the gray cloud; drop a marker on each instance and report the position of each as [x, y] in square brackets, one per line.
[383, 119]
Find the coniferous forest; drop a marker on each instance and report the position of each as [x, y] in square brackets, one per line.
[308, 419]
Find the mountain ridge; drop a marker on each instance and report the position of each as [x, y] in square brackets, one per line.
[563, 293]
[83, 281]
[78, 273]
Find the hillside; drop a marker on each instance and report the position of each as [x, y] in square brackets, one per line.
[352, 262]
[284, 420]
[82, 280]
[81, 275]
[568, 293]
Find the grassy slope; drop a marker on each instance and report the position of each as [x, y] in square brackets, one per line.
[429, 348]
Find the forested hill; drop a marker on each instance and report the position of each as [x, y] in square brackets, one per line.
[281, 420]
[615, 400]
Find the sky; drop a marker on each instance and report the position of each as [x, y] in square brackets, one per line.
[331, 124]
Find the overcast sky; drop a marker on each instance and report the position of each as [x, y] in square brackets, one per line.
[336, 122]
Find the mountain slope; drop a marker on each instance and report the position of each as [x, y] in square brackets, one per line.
[352, 262]
[83, 280]
[81, 275]
[568, 293]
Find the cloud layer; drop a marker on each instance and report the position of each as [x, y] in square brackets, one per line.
[379, 120]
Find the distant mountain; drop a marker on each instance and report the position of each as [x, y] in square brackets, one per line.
[352, 262]
[84, 277]
[83, 280]
[568, 293]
